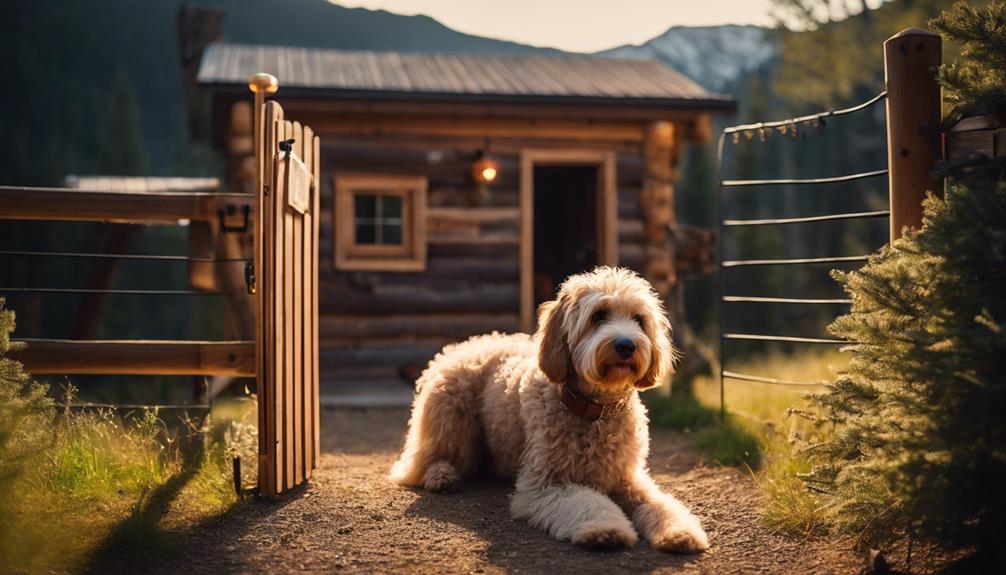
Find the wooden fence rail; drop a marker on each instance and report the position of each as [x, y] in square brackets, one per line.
[138, 357]
[67, 204]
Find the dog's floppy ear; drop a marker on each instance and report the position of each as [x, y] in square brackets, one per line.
[663, 354]
[553, 351]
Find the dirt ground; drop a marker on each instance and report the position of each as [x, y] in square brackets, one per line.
[351, 519]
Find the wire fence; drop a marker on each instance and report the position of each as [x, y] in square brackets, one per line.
[792, 126]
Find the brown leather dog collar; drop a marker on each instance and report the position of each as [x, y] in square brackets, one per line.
[585, 408]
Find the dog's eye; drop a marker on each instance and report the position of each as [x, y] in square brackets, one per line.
[639, 320]
[599, 316]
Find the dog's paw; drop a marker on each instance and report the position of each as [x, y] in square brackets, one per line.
[605, 538]
[693, 540]
[442, 477]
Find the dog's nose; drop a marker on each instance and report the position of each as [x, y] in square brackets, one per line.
[624, 347]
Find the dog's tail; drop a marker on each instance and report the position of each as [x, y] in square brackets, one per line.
[405, 471]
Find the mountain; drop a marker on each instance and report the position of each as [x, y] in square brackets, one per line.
[713, 56]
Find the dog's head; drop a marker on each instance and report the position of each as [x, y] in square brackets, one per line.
[608, 328]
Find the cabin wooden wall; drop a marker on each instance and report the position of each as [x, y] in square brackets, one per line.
[374, 324]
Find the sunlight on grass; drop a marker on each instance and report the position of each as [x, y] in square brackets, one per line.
[760, 430]
[94, 477]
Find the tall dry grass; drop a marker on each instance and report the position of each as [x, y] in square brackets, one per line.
[74, 484]
[766, 428]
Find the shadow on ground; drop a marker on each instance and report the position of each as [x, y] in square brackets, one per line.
[513, 546]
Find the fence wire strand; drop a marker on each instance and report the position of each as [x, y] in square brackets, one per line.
[760, 299]
[201, 406]
[809, 118]
[806, 219]
[107, 291]
[804, 181]
[794, 261]
[140, 257]
[789, 338]
[772, 380]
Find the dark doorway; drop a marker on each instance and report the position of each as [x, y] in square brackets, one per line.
[565, 225]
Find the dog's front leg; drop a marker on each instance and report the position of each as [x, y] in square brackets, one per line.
[571, 512]
[662, 520]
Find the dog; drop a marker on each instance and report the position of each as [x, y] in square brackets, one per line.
[560, 412]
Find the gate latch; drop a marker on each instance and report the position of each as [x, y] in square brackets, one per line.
[250, 278]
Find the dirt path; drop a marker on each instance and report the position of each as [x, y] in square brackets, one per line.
[351, 519]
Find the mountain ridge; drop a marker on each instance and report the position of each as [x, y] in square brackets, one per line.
[713, 56]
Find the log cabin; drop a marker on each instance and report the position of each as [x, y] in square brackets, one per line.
[458, 191]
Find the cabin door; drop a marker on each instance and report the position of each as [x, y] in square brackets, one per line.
[571, 202]
[565, 225]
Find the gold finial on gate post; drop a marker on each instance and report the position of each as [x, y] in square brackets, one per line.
[263, 83]
[260, 84]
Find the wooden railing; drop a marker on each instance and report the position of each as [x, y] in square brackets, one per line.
[139, 357]
[68, 204]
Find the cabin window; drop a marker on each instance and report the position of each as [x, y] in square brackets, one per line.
[380, 222]
[377, 218]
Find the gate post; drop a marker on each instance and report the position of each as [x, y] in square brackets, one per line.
[261, 86]
[911, 58]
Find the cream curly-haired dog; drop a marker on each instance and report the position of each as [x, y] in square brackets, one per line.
[560, 412]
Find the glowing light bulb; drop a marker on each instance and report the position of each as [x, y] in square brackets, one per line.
[488, 174]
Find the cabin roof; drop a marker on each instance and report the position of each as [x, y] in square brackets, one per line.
[493, 78]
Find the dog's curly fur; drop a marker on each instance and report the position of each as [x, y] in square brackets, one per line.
[493, 402]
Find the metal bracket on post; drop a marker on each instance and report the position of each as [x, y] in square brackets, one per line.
[230, 210]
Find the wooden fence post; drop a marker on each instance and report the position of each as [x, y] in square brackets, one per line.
[911, 58]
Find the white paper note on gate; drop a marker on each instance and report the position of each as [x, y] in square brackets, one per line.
[298, 184]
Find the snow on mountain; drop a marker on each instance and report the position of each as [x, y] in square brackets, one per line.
[713, 56]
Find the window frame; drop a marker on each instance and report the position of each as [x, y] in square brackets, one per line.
[410, 255]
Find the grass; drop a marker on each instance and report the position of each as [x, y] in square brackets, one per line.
[726, 442]
[760, 432]
[82, 489]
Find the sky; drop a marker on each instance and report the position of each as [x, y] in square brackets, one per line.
[576, 25]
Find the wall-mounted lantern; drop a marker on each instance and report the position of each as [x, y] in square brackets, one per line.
[484, 172]
[485, 169]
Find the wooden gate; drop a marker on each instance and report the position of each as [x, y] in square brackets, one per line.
[286, 254]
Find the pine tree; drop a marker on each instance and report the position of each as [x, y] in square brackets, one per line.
[25, 425]
[919, 447]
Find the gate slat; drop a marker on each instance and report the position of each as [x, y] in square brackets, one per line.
[297, 278]
[279, 373]
[315, 392]
[308, 323]
[267, 342]
[288, 332]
